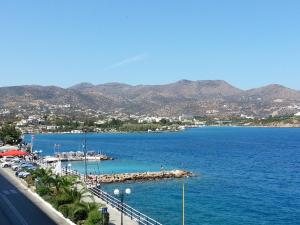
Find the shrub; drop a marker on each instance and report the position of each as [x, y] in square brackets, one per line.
[47, 198]
[96, 218]
[64, 209]
[62, 199]
[42, 191]
[79, 213]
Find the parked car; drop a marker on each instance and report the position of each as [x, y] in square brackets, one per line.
[6, 164]
[23, 174]
[15, 167]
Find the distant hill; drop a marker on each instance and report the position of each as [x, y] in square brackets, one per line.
[208, 97]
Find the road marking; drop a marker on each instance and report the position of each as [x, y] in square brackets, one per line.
[14, 210]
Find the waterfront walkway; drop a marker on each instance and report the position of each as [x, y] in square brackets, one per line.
[131, 216]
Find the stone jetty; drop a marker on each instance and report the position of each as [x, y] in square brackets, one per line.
[145, 176]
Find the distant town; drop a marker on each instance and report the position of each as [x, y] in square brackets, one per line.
[116, 107]
[64, 119]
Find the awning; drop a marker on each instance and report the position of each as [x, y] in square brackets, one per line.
[13, 153]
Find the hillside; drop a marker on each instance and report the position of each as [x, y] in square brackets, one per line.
[209, 97]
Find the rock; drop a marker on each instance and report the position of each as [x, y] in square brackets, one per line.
[107, 178]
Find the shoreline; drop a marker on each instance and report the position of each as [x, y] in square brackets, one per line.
[166, 131]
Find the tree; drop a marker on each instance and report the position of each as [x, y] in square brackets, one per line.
[61, 183]
[10, 135]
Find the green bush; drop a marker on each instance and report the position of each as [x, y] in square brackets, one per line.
[79, 213]
[64, 209]
[62, 199]
[94, 218]
[47, 198]
[42, 191]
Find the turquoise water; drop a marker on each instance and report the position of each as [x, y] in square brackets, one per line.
[114, 166]
[246, 175]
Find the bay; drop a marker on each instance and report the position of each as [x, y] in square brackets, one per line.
[245, 175]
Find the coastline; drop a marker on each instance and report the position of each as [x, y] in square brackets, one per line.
[165, 131]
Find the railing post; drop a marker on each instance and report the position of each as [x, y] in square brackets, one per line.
[139, 217]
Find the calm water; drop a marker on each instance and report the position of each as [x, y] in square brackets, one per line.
[246, 175]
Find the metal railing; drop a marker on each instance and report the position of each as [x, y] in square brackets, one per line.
[68, 171]
[132, 213]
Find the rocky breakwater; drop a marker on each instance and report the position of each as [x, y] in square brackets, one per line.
[124, 177]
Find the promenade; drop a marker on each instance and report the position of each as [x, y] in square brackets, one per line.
[20, 206]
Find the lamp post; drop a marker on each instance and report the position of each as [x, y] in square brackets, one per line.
[121, 194]
[85, 150]
[69, 167]
[40, 154]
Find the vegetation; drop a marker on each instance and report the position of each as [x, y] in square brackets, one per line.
[66, 195]
[131, 125]
[271, 121]
[9, 134]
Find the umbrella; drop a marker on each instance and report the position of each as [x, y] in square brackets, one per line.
[13, 153]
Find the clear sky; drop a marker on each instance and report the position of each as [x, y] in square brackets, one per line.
[248, 43]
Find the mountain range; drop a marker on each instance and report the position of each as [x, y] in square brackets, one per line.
[201, 98]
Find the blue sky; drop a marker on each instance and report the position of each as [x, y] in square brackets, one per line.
[247, 43]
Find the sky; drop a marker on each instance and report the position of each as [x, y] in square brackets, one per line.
[249, 43]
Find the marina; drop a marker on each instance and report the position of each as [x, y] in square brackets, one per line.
[76, 156]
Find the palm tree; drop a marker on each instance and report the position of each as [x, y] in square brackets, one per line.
[43, 175]
[62, 183]
[78, 194]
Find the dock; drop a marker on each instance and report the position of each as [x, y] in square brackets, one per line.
[77, 156]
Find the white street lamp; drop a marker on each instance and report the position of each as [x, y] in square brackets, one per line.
[116, 192]
[121, 194]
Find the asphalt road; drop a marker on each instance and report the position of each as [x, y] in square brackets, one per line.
[17, 209]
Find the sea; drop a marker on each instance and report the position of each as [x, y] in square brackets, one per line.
[245, 176]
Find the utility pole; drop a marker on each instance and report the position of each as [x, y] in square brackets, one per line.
[183, 203]
[31, 145]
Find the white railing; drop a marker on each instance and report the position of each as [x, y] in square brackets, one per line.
[68, 171]
[132, 213]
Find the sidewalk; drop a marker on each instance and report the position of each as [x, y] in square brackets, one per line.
[115, 215]
[20, 184]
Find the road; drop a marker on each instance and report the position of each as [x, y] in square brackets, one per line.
[17, 209]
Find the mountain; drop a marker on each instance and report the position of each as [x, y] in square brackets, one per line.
[273, 92]
[208, 97]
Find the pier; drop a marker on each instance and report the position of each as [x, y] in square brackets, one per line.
[77, 156]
